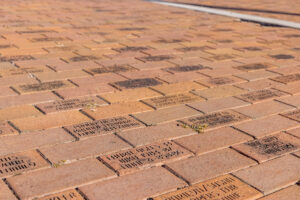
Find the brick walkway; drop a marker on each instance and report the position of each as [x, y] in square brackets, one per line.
[129, 100]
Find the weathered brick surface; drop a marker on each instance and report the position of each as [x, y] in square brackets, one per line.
[190, 95]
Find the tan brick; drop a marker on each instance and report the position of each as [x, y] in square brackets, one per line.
[5, 192]
[117, 110]
[224, 187]
[19, 112]
[263, 109]
[50, 121]
[6, 91]
[291, 193]
[211, 165]
[272, 175]
[142, 136]
[269, 147]
[213, 140]
[266, 126]
[292, 88]
[137, 186]
[78, 150]
[45, 86]
[219, 92]
[17, 163]
[66, 195]
[53, 180]
[18, 79]
[288, 78]
[182, 77]
[71, 104]
[130, 95]
[166, 114]
[176, 88]
[33, 140]
[136, 83]
[171, 100]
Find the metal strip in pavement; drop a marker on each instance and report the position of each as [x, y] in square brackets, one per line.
[251, 18]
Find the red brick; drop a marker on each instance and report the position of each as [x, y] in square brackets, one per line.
[53, 180]
[134, 186]
[272, 175]
[27, 99]
[6, 91]
[6, 129]
[214, 105]
[213, 140]
[50, 121]
[33, 140]
[66, 195]
[20, 79]
[267, 126]
[142, 136]
[83, 149]
[211, 165]
[19, 112]
[291, 193]
[291, 100]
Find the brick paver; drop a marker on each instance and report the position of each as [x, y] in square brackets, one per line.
[162, 101]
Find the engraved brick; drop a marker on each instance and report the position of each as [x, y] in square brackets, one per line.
[66, 195]
[136, 83]
[261, 95]
[71, 104]
[53, 180]
[287, 78]
[17, 163]
[269, 147]
[114, 68]
[166, 114]
[142, 157]
[216, 119]
[267, 125]
[171, 100]
[186, 68]
[218, 81]
[255, 66]
[104, 126]
[45, 86]
[272, 175]
[211, 165]
[138, 185]
[223, 187]
[155, 58]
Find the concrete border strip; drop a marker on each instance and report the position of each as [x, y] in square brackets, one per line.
[251, 18]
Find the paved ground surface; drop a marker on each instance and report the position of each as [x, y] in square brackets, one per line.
[280, 9]
[105, 101]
